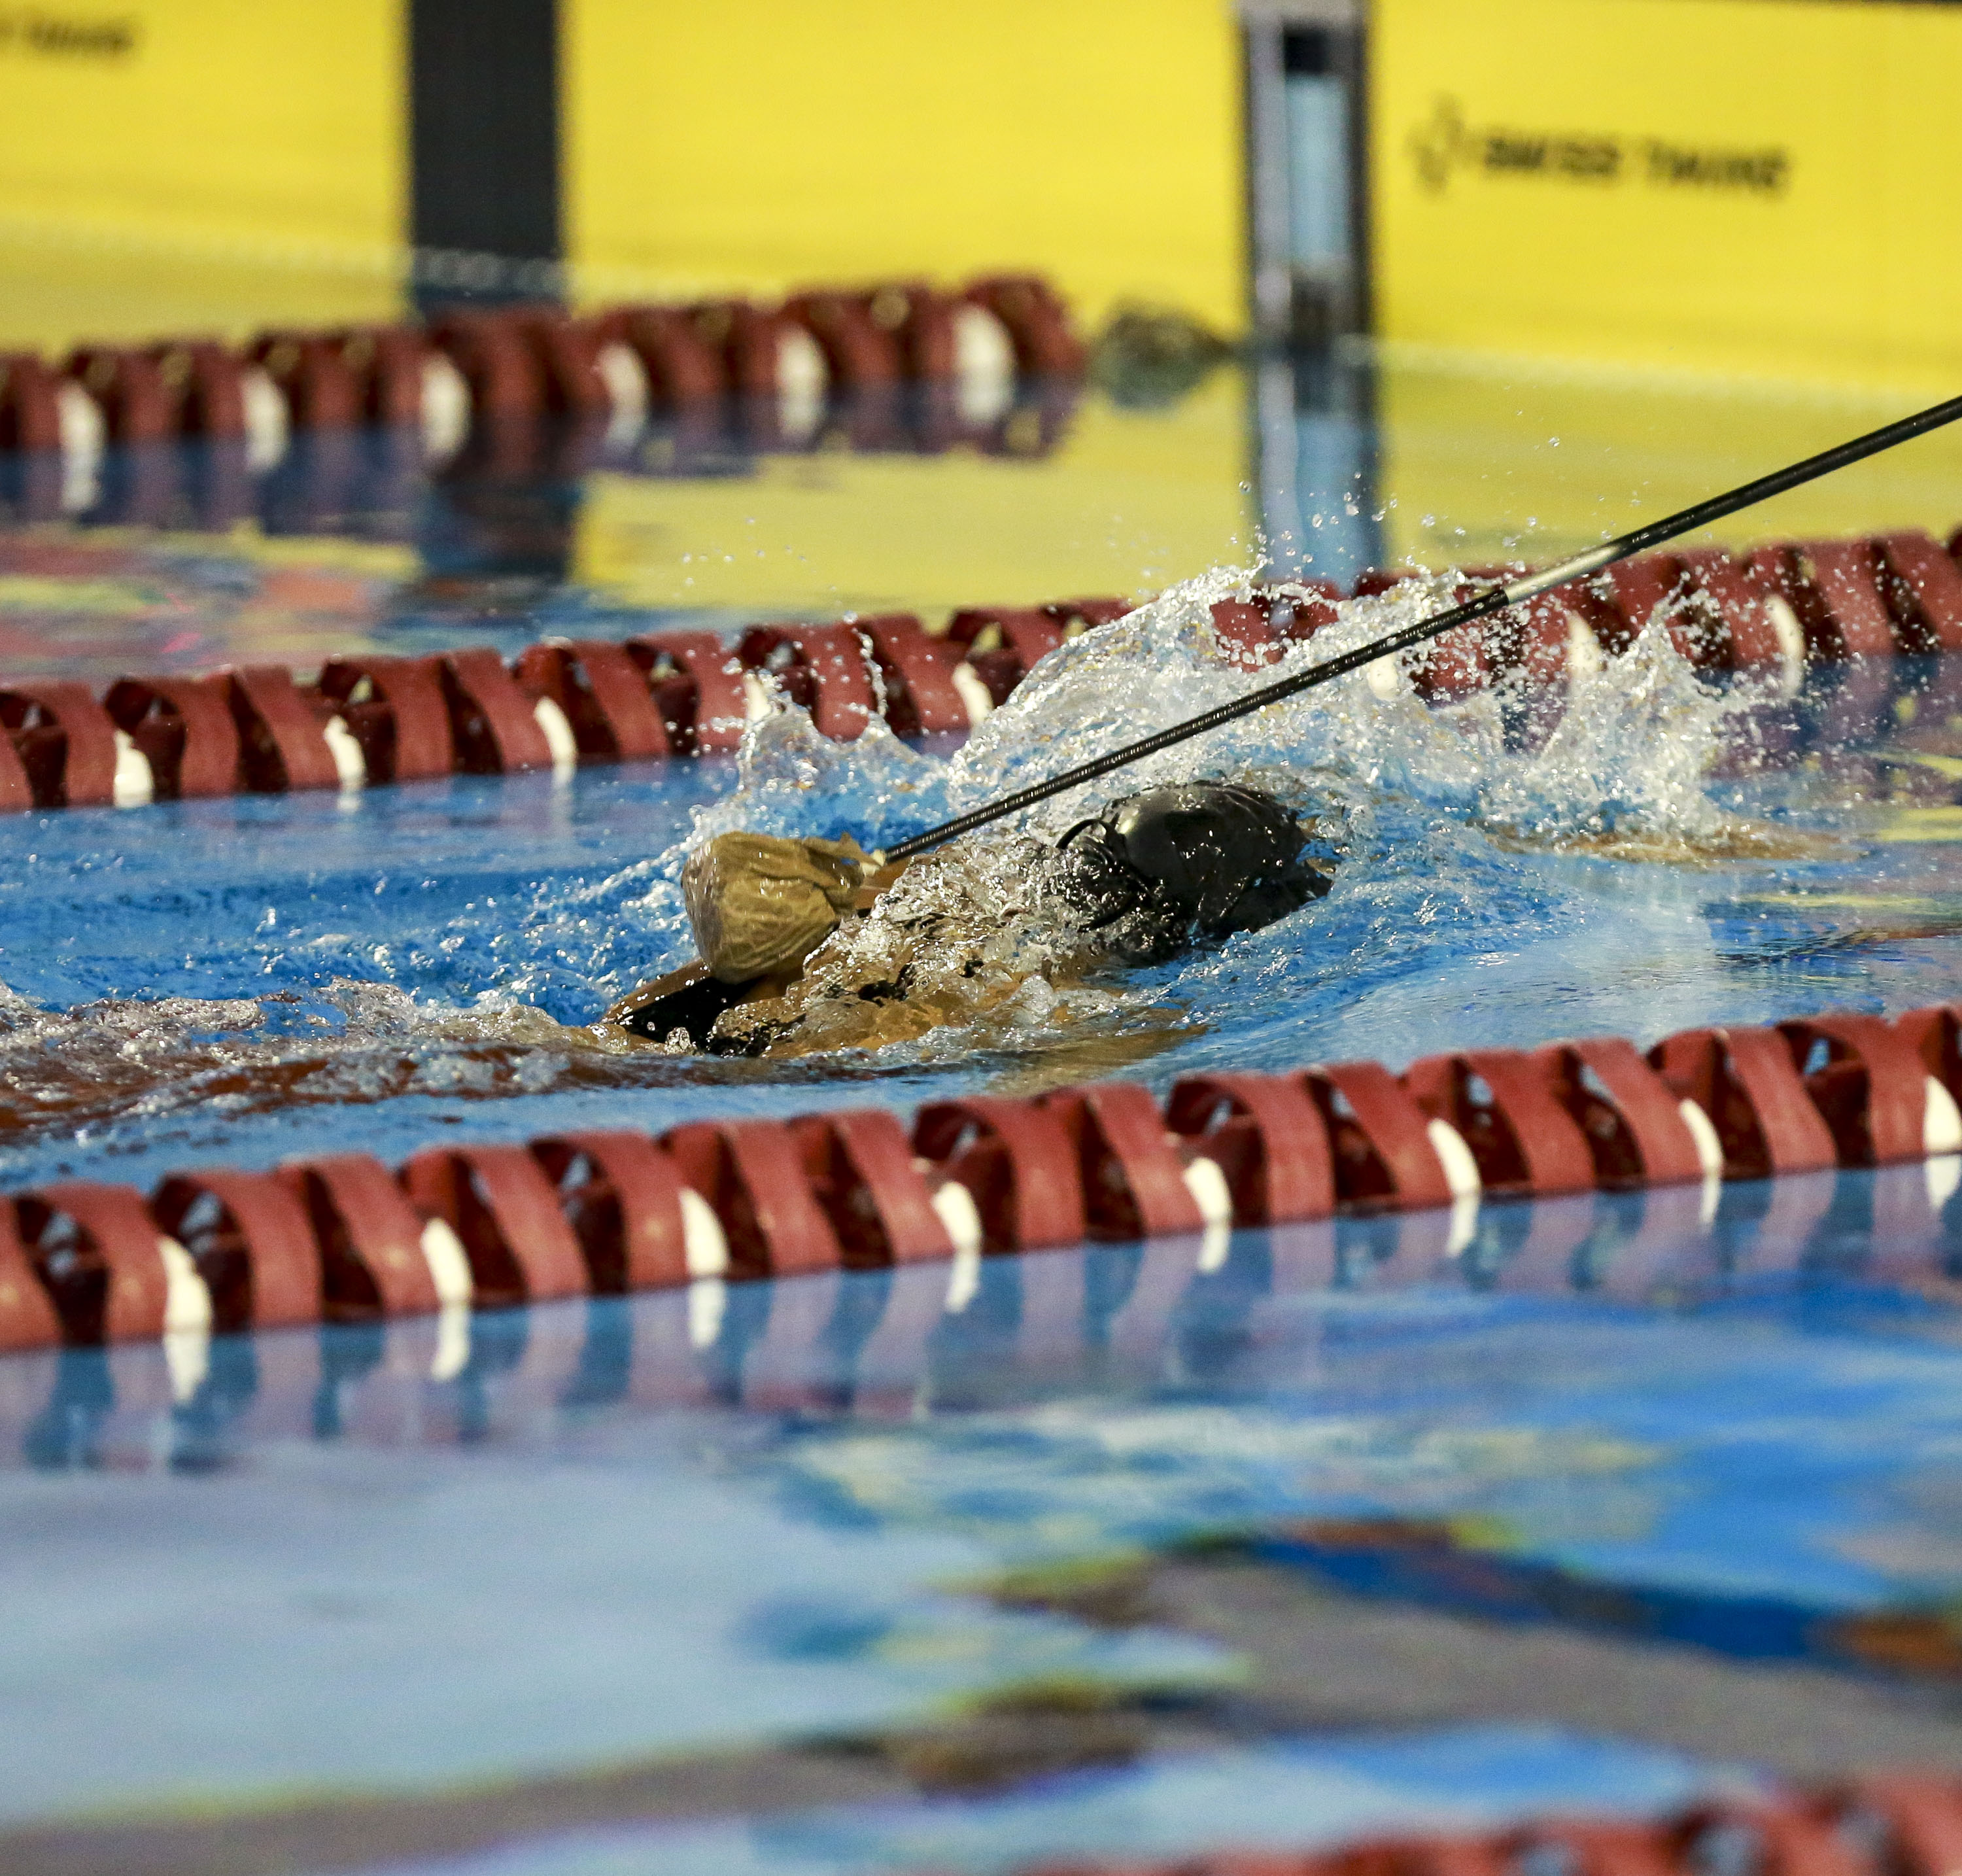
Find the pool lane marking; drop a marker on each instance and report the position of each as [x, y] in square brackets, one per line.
[1922, 824]
[1859, 902]
[1949, 766]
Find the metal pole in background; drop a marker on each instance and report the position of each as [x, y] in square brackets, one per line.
[1311, 414]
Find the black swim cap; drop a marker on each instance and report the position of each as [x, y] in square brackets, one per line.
[1156, 870]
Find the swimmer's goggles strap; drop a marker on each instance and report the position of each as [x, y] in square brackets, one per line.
[1494, 598]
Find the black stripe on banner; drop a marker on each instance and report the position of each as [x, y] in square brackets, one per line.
[484, 127]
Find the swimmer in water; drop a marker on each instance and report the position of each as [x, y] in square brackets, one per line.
[811, 945]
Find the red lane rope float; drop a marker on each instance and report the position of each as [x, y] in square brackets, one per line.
[391, 366]
[283, 743]
[500, 368]
[1384, 1157]
[1503, 1106]
[1004, 644]
[622, 1196]
[1017, 1163]
[342, 1237]
[127, 387]
[682, 367]
[251, 1241]
[1454, 665]
[858, 351]
[183, 728]
[1905, 1823]
[861, 1171]
[496, 728]
[369, 1235]
[103, 1260]
[1746, 1085]
[1037, 321]
[822, 668]
[64, 740]
[604, 695]
[699, 683]
[1269, 1142]
[1633, 1125]
[1736, 610]
[1924, 590]
[27, 1317]
[505, 1212]
[1130, 1172]
[205, 383]
[1859, 1071]
[373, 718]
[395, 710]
[30, 404]
[918, 674]
[320, 384]
[567, 351]
[1248, 631]
[752, 1173]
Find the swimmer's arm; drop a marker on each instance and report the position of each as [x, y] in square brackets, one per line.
[691, 999]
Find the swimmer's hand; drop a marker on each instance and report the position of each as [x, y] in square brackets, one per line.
[760, 904]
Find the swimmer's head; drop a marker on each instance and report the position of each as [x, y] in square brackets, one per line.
[1156, 870]
[760, 905]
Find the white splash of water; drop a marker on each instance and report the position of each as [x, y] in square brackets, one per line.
[1391, 776]
[1628, 754]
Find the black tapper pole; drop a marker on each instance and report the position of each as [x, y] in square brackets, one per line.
[1494, 598]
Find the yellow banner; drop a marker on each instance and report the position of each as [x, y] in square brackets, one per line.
[759, 145]
[199, 163]
[1750, 186]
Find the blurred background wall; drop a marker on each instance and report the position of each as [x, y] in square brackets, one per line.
[1747, 187]
[226, 162]
[1756, 187]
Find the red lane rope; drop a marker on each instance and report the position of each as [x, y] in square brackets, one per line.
[1898, 1823]
[344, 1238]
[367, 718]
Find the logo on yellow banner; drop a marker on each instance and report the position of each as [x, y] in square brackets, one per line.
[65, 35]
[1445, 145]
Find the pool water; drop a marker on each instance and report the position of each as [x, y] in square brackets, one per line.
[244, 978]
[323, 1569]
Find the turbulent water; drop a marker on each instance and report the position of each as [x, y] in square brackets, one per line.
[1365, 758]
[179, 971]
[1631, 753]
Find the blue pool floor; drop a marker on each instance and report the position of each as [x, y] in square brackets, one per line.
[331, 1568]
